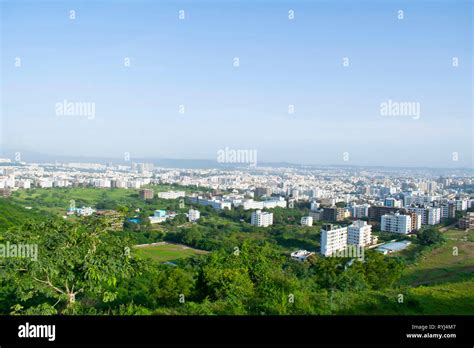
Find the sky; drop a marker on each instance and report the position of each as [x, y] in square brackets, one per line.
[189, 64]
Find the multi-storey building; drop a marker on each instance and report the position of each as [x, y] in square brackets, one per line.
[467, 222]
[333, 239]
[146, 194]
[359, 211]
[429, 215]
[171, 194]
[415, 220]
[359, 233]
[396, 223]
[261, 219]
[307, 221]
[333, 214]
[375, 213]
[448, 210]
[392, 202]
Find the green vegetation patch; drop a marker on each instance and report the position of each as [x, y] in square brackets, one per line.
[168, 252]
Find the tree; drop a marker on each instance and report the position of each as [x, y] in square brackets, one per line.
[73, 262]
[430, 236]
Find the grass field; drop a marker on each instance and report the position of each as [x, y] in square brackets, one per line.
[56, 201]
[168, 252]
[441, 265]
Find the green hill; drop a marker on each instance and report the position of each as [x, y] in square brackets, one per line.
[12, 214]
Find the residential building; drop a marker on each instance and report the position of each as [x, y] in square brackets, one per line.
[301, 255]
[213, 202]
[467, 222]
[429, 215]
[333, 239]
[395, 223]
[307, 221]
[171, 194]
[193, 215]
[376, 212]
[359, 233]
[415, 220]
[359, 211]
[261, 219]
[146, 194]
[392, 202]
[333, 214]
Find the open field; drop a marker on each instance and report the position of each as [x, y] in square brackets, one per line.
[56, 201]
[163, 252]
[444, 299]
[441, 265]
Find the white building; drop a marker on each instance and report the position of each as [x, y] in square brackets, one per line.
[359, 211]
[301, 255]
[395, 223]
[429, 215]
[157, 219]
[214, 203]
[261, 219]
[193, 215]
[392, 202]
[269, 204]
[307, 221]
[461, 204]
[171, 194]
[359, 233]
[85, 211]
[315, 206]
[333, 239]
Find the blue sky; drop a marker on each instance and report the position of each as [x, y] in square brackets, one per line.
[282, 62]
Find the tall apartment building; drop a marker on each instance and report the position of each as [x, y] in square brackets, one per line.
[415, 220]
[392, 202]
[467, 222]
[448, 210]
[333, 214]
[429, 215]
[359, 233]
[461, 204]
[316, 215]
[261, 219]
[146, 194]
[375, 213]
[359, 211]
[396, 223]
[333, 239]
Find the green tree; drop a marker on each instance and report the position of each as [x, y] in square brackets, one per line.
[74, 262]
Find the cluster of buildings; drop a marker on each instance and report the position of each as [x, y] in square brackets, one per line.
[161, 215]
[335, 238]
[397, 200]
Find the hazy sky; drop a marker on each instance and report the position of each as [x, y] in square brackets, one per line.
[283, 62]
